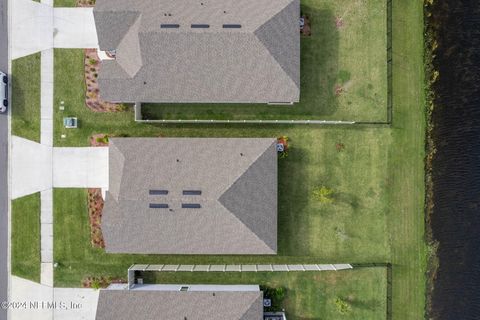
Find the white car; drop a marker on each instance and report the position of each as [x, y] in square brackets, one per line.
[3, 92]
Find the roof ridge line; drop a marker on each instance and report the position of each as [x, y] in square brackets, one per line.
[268, 50]
[230, 186]
[251, 305]
[112, 144]
[273, 16]
[249, 230]
[241, 174]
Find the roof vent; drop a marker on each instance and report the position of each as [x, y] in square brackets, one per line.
[200, 26]
[158, 206]
[191, 205]
[192, 192]
[157, 192]
[169, 26]
[232, 26]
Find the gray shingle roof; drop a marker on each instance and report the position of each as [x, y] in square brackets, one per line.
[174, 305]
[259, 62]
[238, 183]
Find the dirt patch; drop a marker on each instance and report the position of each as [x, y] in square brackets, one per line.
[339, 23]
[339, 90]
[92, 96]
[95, 208]
[307, 28]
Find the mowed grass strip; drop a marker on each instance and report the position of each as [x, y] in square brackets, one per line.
[406, 222]
[25, 102]
[26, 237]
[309, 295]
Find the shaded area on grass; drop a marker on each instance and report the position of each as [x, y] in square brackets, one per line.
[25, 102]
[309, 295]
[26, 237]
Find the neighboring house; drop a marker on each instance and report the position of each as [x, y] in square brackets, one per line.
[191, 196]
[178, 302]
[195, 51]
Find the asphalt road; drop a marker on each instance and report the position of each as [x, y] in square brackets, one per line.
[3, 166]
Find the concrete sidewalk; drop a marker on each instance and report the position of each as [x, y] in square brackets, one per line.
[46, 98]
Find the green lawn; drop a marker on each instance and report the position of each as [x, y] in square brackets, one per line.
[26, 237]
[26, 97]
[406, 162]
[353, 56]
[65, 3]
[352, 229]
[309, 295]
[378, 214]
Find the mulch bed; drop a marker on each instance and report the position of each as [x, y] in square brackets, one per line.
[307, 29]
[99, 140]
[92, 96]
[100, 282]
[85, 3]
[95, 207]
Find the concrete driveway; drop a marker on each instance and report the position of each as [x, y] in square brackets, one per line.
[32, 27]
[74, 28]
[31, 167]
[80, 167]
[38, 27]
[36, 167]
[71, 303]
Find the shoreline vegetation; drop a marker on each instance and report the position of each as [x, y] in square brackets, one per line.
[431, 77]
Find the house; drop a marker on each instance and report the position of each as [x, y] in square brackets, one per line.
[191, 196]
[180, 302]
[196, 51]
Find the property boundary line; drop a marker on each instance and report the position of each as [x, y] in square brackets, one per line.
[389, 276]
[232, 268]
[389, 119]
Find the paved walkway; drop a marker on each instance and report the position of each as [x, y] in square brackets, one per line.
[46, 99]
[39, 27]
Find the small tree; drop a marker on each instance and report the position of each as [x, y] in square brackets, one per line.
[343, 306]
[323, 194]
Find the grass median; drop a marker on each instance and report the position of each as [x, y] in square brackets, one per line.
[26, 237]
[25, 102]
